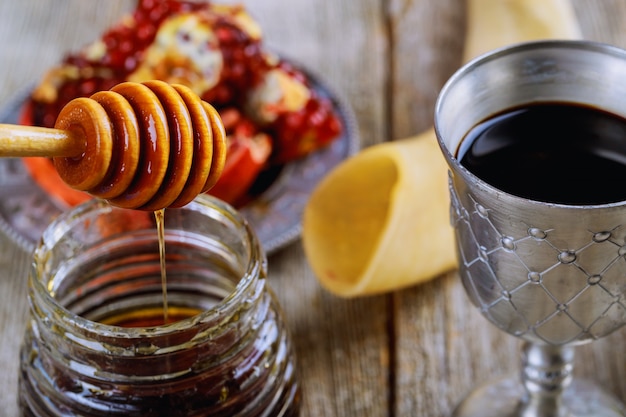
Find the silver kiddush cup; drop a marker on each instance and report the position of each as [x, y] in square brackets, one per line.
[553, 275]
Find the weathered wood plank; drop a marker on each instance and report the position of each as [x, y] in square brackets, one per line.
[444, 348]
[426, 45]
[342, 344]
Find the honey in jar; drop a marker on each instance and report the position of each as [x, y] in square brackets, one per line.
[96, 343]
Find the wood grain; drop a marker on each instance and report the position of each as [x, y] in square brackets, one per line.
[415, 352]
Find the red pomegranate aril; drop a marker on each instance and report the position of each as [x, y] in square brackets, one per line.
[114, 59]
[237, 70]
[77, 61]
[317, 118]
[224, 35]
[110, 41]
[147, 4]
[126, 46]
[87, 87]
[294, 120]
[245, 128]
[130, 63]
[230, 116]
[157, 13]
[145, 33]
[49, 118]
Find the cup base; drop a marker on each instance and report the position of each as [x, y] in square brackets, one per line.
[505, 398]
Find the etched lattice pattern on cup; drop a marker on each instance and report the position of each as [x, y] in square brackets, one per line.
[533, 285]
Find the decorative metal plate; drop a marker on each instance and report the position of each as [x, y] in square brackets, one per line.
[275, 215]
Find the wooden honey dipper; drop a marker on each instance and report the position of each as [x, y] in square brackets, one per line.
[144, 146]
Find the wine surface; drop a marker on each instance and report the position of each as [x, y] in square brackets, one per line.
[552, 152]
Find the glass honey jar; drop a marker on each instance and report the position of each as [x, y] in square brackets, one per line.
[97, 342]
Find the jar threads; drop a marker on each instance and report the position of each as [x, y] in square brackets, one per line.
[229, 352]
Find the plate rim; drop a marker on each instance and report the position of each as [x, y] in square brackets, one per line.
[349, 139]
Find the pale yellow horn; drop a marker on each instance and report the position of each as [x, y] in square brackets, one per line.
[380, 220]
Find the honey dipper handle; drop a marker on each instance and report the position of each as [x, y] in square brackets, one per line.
[18, 141]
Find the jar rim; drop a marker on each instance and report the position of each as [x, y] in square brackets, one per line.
[256, 263]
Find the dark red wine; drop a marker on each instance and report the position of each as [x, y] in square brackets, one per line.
[554, 152]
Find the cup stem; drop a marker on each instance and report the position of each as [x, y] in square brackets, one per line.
[545, 387]
[546, 373]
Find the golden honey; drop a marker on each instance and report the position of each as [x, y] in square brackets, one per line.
[96, 343]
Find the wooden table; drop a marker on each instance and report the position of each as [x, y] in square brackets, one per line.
[414, 352]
